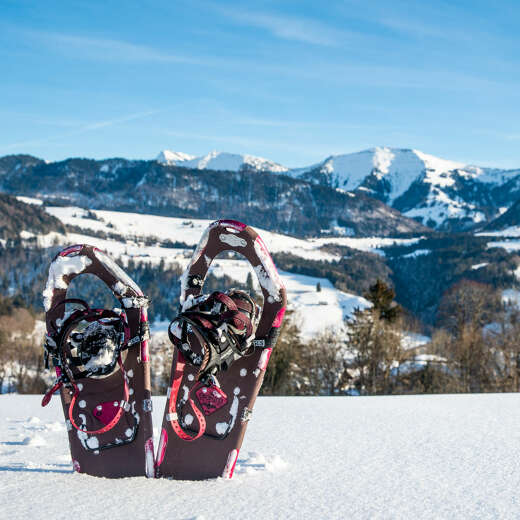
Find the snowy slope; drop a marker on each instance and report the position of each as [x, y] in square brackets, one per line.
[220, 161]
[420, 457]
[318, 311]
[509, 232]
[135, 226]
[173, 158]
[399, 167]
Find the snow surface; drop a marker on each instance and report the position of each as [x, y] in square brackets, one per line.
[138, 226]
[30, 200]
[419, 362]
[475, 267]
[438, 207]
[511, 297]
[426, 457]
[416, 253]
[509, 245]
[367, 244]
[318, 311]
[413, 340]
[512, 231]
[172, 158]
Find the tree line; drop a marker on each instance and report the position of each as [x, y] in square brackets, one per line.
[474, 348]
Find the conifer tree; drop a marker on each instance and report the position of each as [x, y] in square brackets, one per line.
[382, 298]
[374, 340]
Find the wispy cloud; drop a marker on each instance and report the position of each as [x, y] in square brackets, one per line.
[103, 49]
[344, 72]
[118, 120]
[418, 28]
[287, 27]
[80, 129]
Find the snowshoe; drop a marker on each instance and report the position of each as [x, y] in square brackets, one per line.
[102, 367]
[222, 342]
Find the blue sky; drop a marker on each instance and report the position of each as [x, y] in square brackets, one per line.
[292, 81]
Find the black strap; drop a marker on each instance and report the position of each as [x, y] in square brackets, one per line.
[144, 334]
[211, 320]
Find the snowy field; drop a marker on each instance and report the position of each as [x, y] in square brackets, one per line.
[303, 457]
[137, 226]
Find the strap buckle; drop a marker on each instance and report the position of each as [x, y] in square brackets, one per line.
[135, 302]
[144, 334]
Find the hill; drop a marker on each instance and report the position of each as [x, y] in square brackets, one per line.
[20, 220]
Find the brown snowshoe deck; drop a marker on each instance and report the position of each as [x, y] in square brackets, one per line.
[215, 453]
[136, 457]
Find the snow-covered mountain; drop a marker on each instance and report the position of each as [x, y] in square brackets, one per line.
[437, 192]
[396, 169]
[171, 158]
[220, 161]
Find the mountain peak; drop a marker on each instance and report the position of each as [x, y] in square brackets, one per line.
[220, 161]
[171, 158]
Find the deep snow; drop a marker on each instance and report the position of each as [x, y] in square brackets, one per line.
[303, 457]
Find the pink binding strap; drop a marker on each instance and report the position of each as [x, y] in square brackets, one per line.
[48, 395]
[117, 417]
[172, 406]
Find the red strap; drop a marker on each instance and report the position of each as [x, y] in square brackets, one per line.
[48, 395]
[172, 406]
[226, 300]
[114, 421]
[204, 322]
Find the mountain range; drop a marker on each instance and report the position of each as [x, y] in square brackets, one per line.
[381, 191]
[439, 193]
[276, 202]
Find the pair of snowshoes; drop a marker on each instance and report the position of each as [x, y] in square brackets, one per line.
[222, 344]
